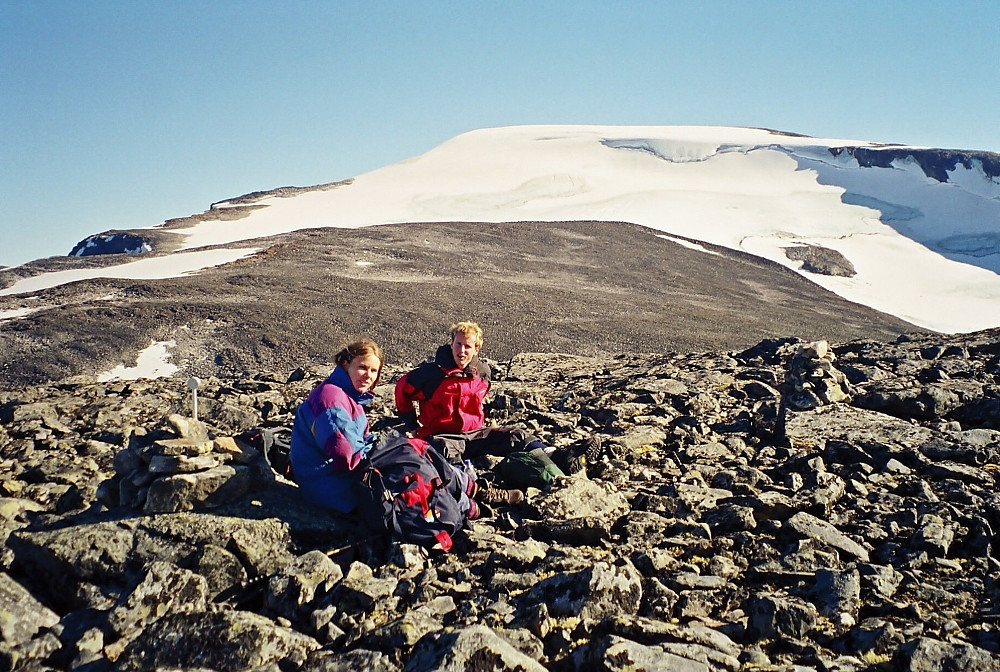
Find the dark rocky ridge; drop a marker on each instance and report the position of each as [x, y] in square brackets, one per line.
[112, 242]
[822, 260]
[583, 288]
[280, 192]
[936, 163]
[773, 508]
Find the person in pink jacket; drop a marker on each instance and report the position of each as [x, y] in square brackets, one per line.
[331, 434]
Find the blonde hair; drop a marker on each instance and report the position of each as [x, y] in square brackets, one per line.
[361, 348]
[467, 329]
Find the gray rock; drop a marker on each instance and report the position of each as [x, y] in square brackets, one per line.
[770, 616]
[23, 616]
[291, 592]
[165, 589]
[187, 491]
[218, 640]
[597, 592]
[821, 260]
[350, 661]
[617, 653]
[820, 530]
[933, 535]
[838, 592]
[457, 650]
[930, 655]
[361, 589]
[729, 518]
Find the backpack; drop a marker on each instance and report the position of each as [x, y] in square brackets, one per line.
[275, 444]
[406, 489]
[527, 469]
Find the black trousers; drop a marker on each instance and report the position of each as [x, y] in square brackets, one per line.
[498, 441]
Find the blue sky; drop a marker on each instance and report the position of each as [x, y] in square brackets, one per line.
[119, 115]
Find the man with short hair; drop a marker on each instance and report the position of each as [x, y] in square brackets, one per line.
[449, 391]
[442, 401]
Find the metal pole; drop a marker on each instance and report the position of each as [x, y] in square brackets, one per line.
[193, 385]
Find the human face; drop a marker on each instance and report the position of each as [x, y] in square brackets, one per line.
[363, 371]
[464, 349]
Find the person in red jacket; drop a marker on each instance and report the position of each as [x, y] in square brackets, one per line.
[442, 401]
[448, 391]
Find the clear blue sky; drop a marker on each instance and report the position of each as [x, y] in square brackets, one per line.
[123, 114]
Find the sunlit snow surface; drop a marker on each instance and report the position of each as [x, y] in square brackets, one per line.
[16, 313]
[925, 251]
[153, 268]
[152, 362]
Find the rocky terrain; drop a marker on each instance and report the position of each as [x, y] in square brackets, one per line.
[786, 506]
[584, 288]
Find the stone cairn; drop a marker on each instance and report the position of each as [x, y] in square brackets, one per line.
[182, 467]
[811, 379]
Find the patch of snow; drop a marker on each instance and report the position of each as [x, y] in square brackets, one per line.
[688, 244]
[16, 313]
[153, 362]
[21, 312]
[153, 268]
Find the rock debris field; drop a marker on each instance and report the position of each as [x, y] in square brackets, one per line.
[785, 507]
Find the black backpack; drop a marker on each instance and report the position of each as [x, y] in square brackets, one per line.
[274, 443]
[406, 488]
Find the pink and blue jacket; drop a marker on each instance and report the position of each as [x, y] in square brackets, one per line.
[330, 437]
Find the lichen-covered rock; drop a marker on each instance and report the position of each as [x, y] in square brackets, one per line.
[470, 648]
[164, 589]
[292, 591]
[21, 615]
[219, 639]
[770, 616]
[596, 592]
[926, 655]
[618, 653]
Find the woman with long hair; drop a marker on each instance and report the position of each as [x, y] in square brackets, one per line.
[331, 434]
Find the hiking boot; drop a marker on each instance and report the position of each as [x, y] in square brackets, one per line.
[573, 459]
[567, 462]
[490, 494]
[590, 449]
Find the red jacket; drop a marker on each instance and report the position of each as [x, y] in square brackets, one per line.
[450, 399]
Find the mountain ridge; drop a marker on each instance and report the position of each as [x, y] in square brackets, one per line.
[579, 288]
[552, 255]
[924, 250]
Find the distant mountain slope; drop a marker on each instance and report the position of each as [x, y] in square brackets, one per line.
[910, 231]
[920, 226]
[579, 288]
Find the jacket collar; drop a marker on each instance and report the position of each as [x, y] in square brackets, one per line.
[446, 360]
[340, 378]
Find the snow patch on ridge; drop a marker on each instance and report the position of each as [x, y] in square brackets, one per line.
[16, 313]
[688, 244]
[152, 362]
[154, 268]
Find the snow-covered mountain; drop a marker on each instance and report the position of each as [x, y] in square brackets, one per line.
[911, 231]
